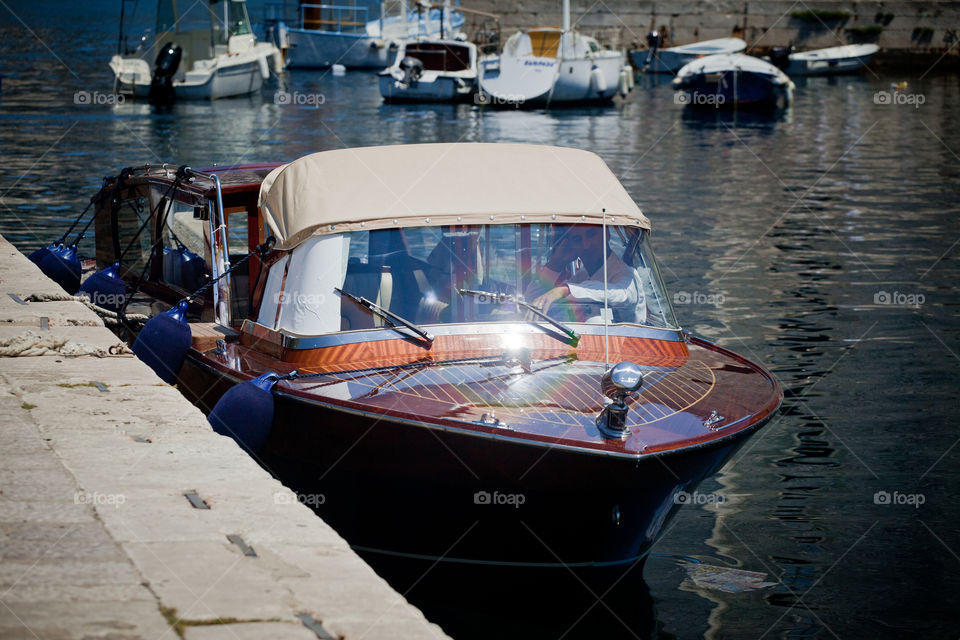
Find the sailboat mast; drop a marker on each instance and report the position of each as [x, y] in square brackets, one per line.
[566, 16]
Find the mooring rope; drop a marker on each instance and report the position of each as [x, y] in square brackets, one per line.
[31, 343]
[109, 317]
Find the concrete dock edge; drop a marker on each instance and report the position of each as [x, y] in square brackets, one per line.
[98, 538]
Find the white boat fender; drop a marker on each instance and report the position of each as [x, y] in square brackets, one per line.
[624, 84]
[339, 70]
[630, 81]
[264, 67]
[245, 412]
[599, 82]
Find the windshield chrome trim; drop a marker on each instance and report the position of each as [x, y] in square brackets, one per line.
[289, 341]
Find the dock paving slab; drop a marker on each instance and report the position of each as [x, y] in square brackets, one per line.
[96, 537]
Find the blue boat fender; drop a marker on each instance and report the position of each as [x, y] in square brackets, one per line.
[164, 341]
[37, 256]
[62, 266]
[105, 288]
[245, 413]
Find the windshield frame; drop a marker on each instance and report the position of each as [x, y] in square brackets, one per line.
[535, 242]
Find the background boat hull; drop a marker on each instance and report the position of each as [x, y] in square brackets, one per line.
[440, 90]
[317, 50]
[735, 90]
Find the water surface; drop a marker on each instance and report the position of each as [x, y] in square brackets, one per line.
[821, 242]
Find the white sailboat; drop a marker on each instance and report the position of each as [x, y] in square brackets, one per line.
[547, 65]
[203, 53]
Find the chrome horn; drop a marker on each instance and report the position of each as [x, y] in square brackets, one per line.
[617, 384]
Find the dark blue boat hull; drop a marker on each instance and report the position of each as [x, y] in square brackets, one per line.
[734, 89]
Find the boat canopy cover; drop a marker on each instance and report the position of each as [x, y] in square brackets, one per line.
[710, 47]
[441, 184]
[724, 62]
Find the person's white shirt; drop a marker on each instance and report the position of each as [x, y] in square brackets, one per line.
[625, 293]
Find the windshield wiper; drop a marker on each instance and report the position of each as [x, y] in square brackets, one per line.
[389, 317]
[505, 298]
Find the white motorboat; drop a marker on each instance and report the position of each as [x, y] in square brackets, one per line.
[550, 65]
[204, 52]
[733, 80]
[326, 35]
[844, 59]
[656, 60]
[431, 71]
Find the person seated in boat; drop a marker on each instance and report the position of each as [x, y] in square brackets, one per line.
[574, 273]
[457, 253]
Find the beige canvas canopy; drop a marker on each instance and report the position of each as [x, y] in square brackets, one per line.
[441, 184]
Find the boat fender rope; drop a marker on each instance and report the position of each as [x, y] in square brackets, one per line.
[34, 344]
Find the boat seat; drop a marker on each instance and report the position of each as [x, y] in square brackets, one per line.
[373, 282]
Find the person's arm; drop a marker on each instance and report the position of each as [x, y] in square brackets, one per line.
[623, 286]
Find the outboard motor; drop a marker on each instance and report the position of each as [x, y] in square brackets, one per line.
[654, 42]
[165, 67]
[780, 57]
[412, 70]
[654, 39]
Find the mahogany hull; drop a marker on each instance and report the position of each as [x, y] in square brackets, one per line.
[409, 497]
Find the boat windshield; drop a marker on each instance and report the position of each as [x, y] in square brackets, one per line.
[467, 274]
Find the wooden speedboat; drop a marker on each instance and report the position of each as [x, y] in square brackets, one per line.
[472, 376]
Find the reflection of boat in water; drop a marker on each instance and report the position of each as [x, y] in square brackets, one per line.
[443, 417]
[729, 81]
[656, 60]
[202, 53]
[847, 58]
[431, 71]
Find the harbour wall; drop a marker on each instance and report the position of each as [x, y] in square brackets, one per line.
[908, 33]
[123, 515]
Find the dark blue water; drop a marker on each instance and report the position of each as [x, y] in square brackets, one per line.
[822, 242]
